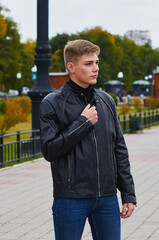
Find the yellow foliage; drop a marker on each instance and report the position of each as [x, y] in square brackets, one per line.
[111, 37]
[98, 30]
[29, 46]
[124, 109]
[24, 103]
[152, 102]
[3, 26]
[16, 111]
[136, 103]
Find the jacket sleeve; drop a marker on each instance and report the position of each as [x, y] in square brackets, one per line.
[55, 142]
[125, 182]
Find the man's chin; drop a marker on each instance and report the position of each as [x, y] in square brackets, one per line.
[93, 82]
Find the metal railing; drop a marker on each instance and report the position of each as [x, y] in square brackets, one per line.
[19, 146]
[138, 121]
[24, 145]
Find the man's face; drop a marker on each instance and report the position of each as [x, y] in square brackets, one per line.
[85, 71]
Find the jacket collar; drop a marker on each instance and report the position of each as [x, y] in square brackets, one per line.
[78, 90]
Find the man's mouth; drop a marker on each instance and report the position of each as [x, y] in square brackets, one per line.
[94, 76]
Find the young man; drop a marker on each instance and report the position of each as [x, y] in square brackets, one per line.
[82, 139]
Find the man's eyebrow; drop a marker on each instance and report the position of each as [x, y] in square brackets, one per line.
[90, 61]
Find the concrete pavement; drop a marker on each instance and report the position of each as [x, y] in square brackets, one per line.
[26, 195]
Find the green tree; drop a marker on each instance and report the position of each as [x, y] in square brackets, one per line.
[57, 63]
[27, 62]
[10, 48]
[59, 41]
[14, 56]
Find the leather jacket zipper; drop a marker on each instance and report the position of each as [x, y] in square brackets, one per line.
[97, 156]
[79, 127]
[69, 172]
[114, 162]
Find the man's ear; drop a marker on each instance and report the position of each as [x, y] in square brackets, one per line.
[70, 67]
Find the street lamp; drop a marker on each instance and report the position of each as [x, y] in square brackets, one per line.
[119, 90]
[149, 77]
[19, 83]
[120, 75]
[19, 75]
[34, 73]
[42, 84]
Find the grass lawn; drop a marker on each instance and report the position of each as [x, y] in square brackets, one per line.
[22, 127]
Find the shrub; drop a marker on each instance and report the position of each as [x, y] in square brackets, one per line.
[24, 103]
[136, 103]
[2, 106]
[16, 111]
[124, 109]
[152, 102]
[114, 97]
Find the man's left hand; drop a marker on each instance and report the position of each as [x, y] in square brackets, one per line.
[127, 210]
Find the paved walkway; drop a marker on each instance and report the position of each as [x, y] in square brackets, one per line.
[26, 195]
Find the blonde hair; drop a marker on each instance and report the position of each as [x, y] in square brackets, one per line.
[75, 49]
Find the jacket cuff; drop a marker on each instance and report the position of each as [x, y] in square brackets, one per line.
[128, 199]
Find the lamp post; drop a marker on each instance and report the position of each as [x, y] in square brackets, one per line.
[19, 83]
[42, 84]
[119, 91]
[33, 73]
[149, 77]
[120, 75]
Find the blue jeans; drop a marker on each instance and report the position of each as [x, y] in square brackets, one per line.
[70, 216]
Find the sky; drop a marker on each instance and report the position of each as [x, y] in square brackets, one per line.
[73, 16]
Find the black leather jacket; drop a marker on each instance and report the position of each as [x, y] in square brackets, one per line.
[86, 160]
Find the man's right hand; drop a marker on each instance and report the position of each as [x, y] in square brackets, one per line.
[90, 113]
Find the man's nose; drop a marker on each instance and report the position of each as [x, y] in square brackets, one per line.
[96, 68]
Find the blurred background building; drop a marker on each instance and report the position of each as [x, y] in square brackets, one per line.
[139, 37]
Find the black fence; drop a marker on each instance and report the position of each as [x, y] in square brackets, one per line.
[19, 146]
[23, 145]
[138, 121]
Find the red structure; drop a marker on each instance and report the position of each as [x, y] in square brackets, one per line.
[58, 79]
[155, 85]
